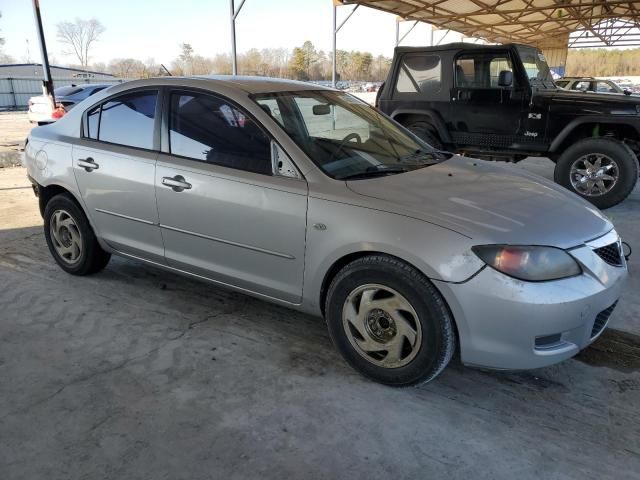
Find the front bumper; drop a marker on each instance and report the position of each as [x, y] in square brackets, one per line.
[506, 323]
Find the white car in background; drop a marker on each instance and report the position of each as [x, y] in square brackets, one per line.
[40, 108]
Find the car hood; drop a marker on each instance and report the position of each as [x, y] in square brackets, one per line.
[489, 202]
[592, 102]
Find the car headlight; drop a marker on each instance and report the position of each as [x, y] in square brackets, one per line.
[530, 263]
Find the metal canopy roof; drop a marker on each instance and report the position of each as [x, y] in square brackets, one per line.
[586, 23]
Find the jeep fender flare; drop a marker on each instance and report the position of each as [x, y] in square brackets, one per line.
[432, 116]
[576, 122]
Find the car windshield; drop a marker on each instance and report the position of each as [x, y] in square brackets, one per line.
[345, 137]
[535, 65]
[66, 91]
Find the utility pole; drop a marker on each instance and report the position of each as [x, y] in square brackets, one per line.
[47, 84]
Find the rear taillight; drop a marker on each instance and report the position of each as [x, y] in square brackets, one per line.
[58, 112]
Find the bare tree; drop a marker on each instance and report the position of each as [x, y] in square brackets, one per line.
[79, 35]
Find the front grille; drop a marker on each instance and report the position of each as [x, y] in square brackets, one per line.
[611, 254]
[601, 320]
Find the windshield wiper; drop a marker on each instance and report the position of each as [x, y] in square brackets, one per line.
[423, 156]
[377, 171]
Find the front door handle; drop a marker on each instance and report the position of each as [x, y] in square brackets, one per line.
[177, 183]
[89, 164]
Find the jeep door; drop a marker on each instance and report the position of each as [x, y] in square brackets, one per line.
[481, 112]
[223, 212]
[114, 164]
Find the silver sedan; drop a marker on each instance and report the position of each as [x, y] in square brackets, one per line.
[307, 197]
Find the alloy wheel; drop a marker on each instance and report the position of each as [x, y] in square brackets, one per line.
[594, 174]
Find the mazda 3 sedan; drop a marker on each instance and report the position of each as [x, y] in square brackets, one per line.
[308, 197]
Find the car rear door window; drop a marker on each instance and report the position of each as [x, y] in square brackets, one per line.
[419, 73]
[605, 87]
[91, 126]
[210, 129]
[129, 119]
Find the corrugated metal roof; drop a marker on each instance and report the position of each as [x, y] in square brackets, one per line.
[534, 22]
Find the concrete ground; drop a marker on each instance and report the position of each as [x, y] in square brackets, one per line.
[136, 373]
[14, 128]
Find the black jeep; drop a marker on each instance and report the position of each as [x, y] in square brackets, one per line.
[499, 102]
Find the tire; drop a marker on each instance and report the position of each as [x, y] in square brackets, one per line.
[70, 237]
[424, 131]
[618, 157]
[410, 301]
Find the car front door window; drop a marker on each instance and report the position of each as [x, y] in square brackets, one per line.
[207, 128]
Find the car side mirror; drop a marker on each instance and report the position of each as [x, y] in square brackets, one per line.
[322, 109]
[505, 78]
[626, 91]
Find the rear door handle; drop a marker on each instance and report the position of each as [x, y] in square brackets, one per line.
[177, 183]
[89, 164]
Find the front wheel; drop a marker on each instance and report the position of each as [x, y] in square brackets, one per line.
[389, 322]
[601, 170]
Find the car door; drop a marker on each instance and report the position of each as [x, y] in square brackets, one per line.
[114, 164]
[480, 111]
[223, 213]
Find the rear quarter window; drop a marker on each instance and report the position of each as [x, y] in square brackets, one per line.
[419, 73]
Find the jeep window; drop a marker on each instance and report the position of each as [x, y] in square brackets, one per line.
[535, 66]
[562, 83]
[497, 65]
[419, 73]
[480, 70]
[347, 138]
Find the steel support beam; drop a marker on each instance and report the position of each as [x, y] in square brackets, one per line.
[400, 39]
[47, 84]
[336, 29]
[233, 15]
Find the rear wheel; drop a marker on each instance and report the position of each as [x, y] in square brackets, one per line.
[389, 322]
[424, 131]
[601, 170]
[70, 237]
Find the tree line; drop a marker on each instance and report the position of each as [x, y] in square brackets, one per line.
[301, 63]
[601, 62]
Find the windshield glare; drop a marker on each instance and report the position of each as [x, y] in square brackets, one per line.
[346, 137]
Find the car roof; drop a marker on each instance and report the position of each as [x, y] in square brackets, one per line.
[458, 46]
[246, 84]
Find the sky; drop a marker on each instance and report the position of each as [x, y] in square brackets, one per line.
[155, 29]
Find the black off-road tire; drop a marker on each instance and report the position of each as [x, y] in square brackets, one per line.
[438, 332]
[623, 156]
[92, 258]
[424, 131]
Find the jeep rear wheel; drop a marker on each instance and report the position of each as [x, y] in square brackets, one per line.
[603, 171]
[423, 131]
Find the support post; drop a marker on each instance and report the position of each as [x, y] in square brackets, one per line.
[335, 34]
[233, 15]
[336, 29]
[47, 84]
[399, 40]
